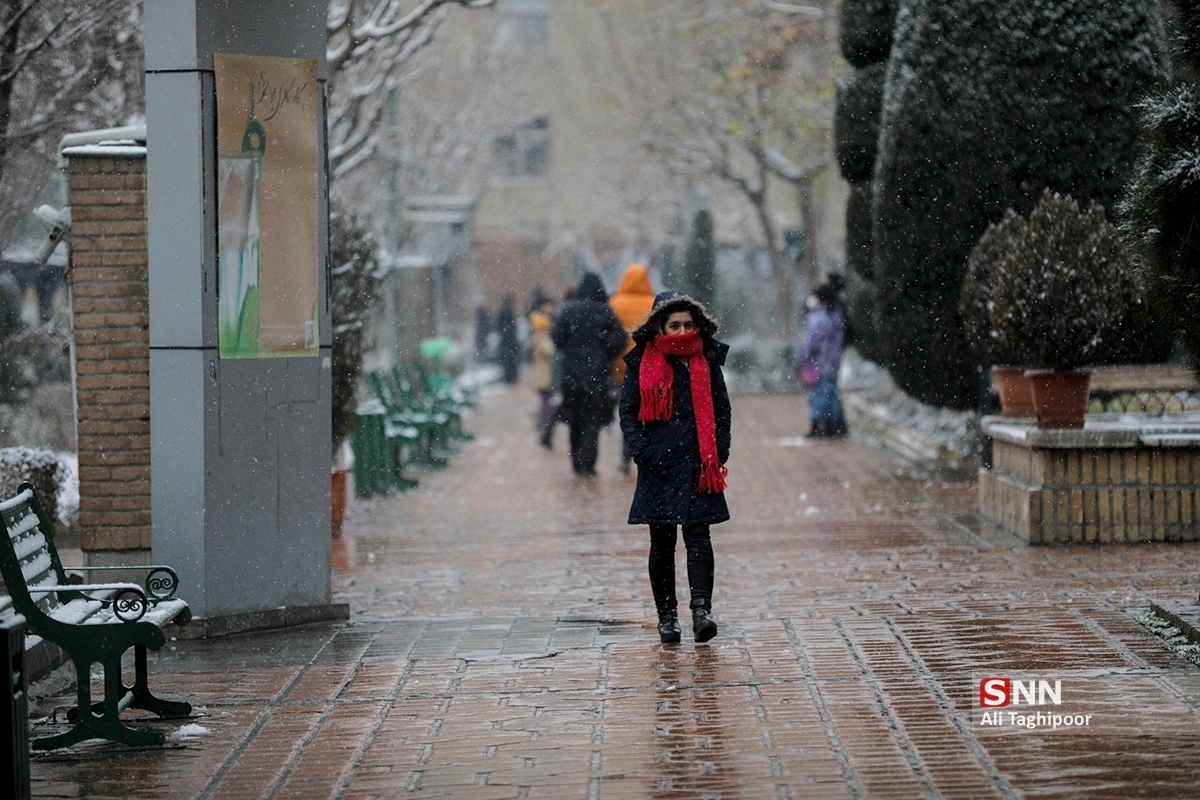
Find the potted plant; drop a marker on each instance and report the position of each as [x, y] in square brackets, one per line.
[1062, 295]
[975, 307]
[354, 288]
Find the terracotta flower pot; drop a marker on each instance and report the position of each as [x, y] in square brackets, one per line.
[339, 500]
[1060, 399]
[1016, 395]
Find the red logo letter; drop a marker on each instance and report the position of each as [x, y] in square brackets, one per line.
[995, 692]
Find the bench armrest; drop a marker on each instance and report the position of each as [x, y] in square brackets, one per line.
[161, 581]
[127, 600]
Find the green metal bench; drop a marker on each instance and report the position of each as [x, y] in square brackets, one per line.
[406, 410]
[441, 396]
[382, 448]
[92, 623]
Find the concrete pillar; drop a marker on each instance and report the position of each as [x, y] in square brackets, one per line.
[240, 447]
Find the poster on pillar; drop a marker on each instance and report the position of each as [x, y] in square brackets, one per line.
[268, 258]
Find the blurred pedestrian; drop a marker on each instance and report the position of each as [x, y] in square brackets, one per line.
[818, 361]
[675, 416]
[837, 282]
[540, 348]
[589, 336]
[632, 303]
[509, 348]
[483, 327]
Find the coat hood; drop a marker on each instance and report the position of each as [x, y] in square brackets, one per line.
[636, 280]
[634, 297]
[591, 288]
[666, 304]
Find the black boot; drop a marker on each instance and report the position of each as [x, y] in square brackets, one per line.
[704, 627]
[818, 431]
[668, 627]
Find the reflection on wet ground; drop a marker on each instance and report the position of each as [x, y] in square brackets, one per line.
[502, 646]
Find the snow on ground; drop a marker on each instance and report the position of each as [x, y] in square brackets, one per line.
[957, 431]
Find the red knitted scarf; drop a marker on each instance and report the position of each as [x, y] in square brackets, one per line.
[657, 399]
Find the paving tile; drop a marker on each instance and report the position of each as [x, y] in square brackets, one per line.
[502, 645]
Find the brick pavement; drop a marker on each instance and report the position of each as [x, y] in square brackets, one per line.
[502, 646]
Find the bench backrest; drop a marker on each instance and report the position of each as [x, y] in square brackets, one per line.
[28, 557]
[383, 391]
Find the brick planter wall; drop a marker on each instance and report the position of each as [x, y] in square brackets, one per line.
[112, 352]
[1122, 483]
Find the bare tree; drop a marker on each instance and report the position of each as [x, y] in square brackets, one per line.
[435, 126]
[741, 90]
[371, 44]
[64, 65]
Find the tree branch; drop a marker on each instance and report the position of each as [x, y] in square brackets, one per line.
[809, 12]
[16, 18]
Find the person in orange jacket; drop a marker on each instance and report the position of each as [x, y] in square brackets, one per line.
[632, 302]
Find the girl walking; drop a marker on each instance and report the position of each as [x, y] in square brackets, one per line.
[675, 416]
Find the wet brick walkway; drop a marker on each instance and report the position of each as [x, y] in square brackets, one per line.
[502, 646]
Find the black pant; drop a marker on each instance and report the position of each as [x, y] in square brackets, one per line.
[699, 565]
[585, 446]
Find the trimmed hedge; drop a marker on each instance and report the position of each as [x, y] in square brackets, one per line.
[1161, 213]
[862, 308]
[866, 31]
[856, 121]
[40, 467]
[986, 104]
[858, 231]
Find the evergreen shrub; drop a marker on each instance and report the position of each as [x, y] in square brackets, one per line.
[1161, 211]
[18, 374]
[39, 467]
[862, 309]
[866, 31]
[1054, 291]
[700, 259]
[856, 121]
[986, 103]
[355, 285]
[858, 231]
[975, 302]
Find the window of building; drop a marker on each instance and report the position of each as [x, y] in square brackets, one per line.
[525, 151]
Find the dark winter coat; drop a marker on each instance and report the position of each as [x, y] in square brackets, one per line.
[590, 337]
[510, 347]
[668, 453]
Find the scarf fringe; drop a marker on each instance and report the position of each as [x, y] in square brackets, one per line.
[657, 404]
[712, 477]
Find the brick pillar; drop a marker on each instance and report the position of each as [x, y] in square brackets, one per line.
[112, 351]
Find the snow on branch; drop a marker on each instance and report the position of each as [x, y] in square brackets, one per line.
[368, 46]
[810, 12]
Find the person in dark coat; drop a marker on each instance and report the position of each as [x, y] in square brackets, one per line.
[590, 337]
[510, 345]
[675, 416]
[483, 327]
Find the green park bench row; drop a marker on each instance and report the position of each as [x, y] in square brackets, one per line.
[405, 425]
